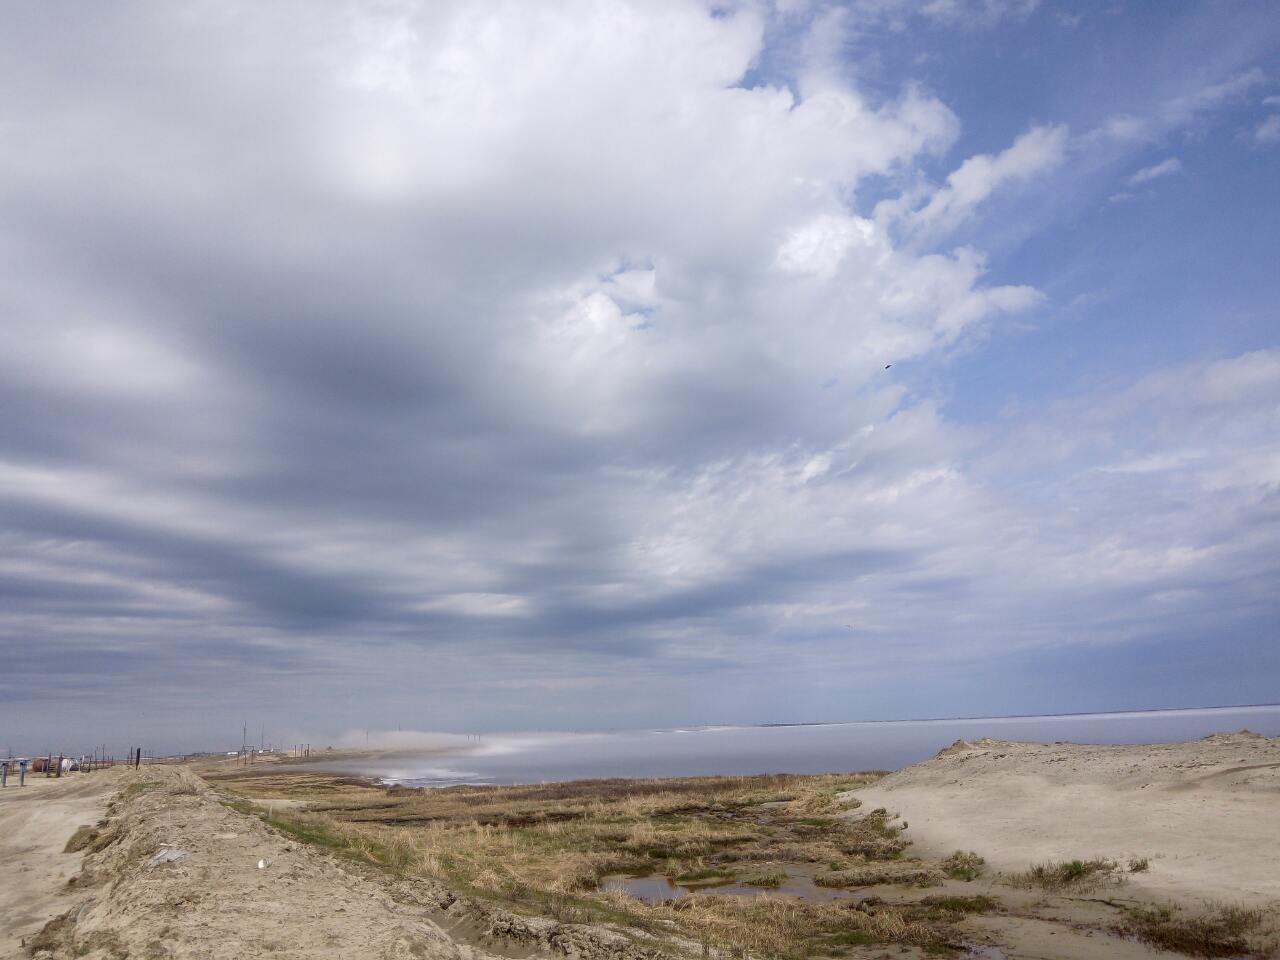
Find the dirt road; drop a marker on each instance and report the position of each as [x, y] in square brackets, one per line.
[35, 823]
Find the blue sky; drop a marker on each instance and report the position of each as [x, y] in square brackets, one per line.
[480, 366]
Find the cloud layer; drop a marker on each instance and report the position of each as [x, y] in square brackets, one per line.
[528, 366]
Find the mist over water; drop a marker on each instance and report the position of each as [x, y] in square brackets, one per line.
[818, 748]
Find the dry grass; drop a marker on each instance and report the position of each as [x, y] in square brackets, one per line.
[1070, 875]
[1223, 930]
[545, 849]
[963, 865]
[875, 874]
[794, 928]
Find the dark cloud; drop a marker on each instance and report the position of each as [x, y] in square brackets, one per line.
[352, 375]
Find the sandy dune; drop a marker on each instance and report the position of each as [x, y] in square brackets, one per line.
[1206, 813]
[35, 823]
[178, 874]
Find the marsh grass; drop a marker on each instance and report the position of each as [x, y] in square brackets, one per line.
[960, 906]
[1074, 875]
[794, 928]
[963, 865]
[545, 848]
[1223, 930]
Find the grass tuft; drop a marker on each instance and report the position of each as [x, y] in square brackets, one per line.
[1074, 875]
[963, 865]
[1223, 931]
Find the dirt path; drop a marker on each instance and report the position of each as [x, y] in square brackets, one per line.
[35, 823]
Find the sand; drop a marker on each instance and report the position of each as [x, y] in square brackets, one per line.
[1206, 813]
[175, 873]
[179, 874]
[35, 823]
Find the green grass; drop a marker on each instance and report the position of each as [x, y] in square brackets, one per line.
[706, 875]
[962, 905]
[768, 880]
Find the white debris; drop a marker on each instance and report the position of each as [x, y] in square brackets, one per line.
[168, 855]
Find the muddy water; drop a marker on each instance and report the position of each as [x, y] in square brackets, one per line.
[658, 889]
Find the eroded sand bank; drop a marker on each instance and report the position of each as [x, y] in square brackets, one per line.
[1206, 813]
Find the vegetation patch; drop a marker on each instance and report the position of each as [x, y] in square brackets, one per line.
[766, 880]
[962, 905]
[1223, 931]
[544, 849]
[963, 865]
[874, 874]
[1075, 875]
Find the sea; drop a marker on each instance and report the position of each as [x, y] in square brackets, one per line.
[514, 758]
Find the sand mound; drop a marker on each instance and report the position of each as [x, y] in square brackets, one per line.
[176, 873]
[1206, 813]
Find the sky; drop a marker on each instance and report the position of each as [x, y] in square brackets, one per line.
[593, 365]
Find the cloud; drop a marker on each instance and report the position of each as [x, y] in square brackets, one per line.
[1268, 131]
[1182, 109]
[1162, 169]
[400, 354]
[978, 12]
[1176, 112]
[1037, 151]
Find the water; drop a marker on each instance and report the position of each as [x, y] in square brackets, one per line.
[817, 748]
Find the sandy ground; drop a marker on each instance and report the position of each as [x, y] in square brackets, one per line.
[179, 875]
[35, 824]
[1206, 813]
[176, 874]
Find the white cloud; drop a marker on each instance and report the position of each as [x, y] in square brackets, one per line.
[1183, 108]
[535, 336]
[1268, 131]
[1176, 112]
[1162, 169]
[978, 12]
[1037, 151]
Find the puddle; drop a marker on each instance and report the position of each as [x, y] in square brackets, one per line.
[984, 953]
[658, 889]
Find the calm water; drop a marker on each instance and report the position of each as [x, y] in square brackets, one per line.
[822, 748]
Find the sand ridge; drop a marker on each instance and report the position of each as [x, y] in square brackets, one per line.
[1206, 813]
[178, 873]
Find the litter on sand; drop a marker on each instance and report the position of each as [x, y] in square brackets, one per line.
[263, 864]
[168, 855]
